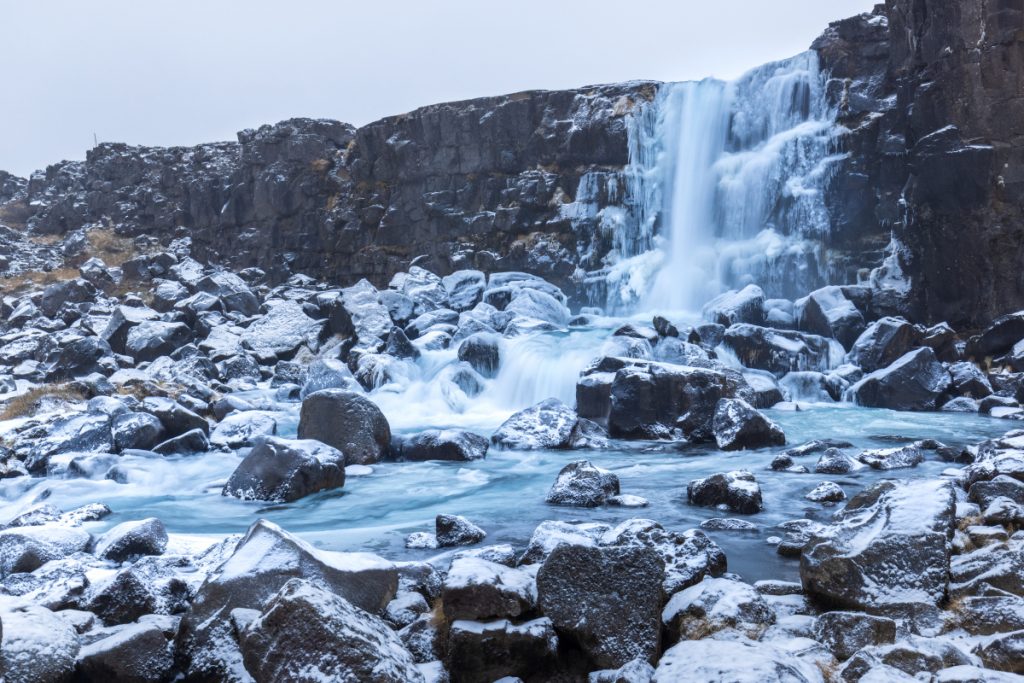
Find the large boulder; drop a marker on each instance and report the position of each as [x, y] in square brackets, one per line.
[454, 530]
[264, 561]
[476, 588]
[738, 425]
[26, 548]
[883, 342]
[689, 556]
[915, 381]
[780, 351]
[121, 322]
[888, 547]
[307, 633]
[736, 491]
[283, 470]
[827, 312]
[443, 444]
[482, 351]
[606, 600]
[999, 337]
[242, 428]
[282, 330]
[358, 312]
[465, 288]
[137, 653]
[581, 484]
[549, 424]
[716, 604]
[231, 290]
[347, 421]
[136, 431]
[152, 338]
[132, 539]
[328, 373]
[743, 306]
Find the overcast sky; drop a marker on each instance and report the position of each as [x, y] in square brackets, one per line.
[176, 72]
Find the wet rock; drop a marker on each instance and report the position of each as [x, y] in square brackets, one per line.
[844, 633]
[283, 470]
[689, 556]
[888, 547]
[960, 404]
[328, 373]
[766, 389]
[915, 381]
[242, 429]
[347, 421]
[892, 458]
[482, 351]
[827, 312]
[716, 604]
[189, 443]
[132, 539]
[882, 343]
[550, 534]
[968, 380]
[826, 492]
[834, 461]
[176, 418]
[479, 589]
[985, 615]
[359, 312]
[549, 424]
[744, 306]
[606, 600]
[778, 351]
[999, 337]
[443, 444]
[736, 491]
[465, 288]
[453, 530]
[581, 484]
[307, 632]
[38, 647]
[737, 426]
[537, 305]
[231, 290]
[399, 346]
[136, 430]
[485, 652]
[138, 653]
[264, 560]
[1001, 486]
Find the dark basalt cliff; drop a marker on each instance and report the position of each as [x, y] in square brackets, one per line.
[932, 92]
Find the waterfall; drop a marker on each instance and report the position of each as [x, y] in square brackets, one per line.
[726, 182]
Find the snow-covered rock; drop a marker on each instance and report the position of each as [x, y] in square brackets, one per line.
[581, 484]
[738, 425]
[242, 429]
[549, 424]
[478, 589]
[284, 470]
[443, 444]
[454, 530]
[132, 539]
[736, 491]
[715, 604]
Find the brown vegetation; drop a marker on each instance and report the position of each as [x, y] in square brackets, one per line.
[29, 403]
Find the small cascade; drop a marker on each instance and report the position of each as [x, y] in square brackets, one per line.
[725, 185]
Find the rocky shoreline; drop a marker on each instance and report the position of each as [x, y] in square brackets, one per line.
[911, 575]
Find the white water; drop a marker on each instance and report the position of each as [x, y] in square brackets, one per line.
[728, 178]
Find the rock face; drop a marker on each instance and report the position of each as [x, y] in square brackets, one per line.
[888, 547]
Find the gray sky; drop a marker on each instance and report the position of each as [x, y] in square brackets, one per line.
[177, 72]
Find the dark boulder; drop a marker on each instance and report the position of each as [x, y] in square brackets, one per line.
[347, 421]
[151, 339]
[736, 491]
[883, 342]
[549, 424]
[581, 484]
[138, 653]
[827, 312]
[482, 351]
[453, 530]
[443, 444]
[743, 306]
[493, 650]
[283, 470]
[915, 381]
[132, 539]
[737, 426]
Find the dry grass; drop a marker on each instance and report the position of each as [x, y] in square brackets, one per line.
[15, 214]
[19, 284]
[107, 245]
[320, 165]
[29, 403]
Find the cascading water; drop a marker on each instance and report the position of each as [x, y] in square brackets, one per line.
[729, 178]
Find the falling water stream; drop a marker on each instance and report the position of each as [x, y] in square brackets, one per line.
[725, 184]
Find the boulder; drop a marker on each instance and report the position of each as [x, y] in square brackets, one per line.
[888, 547]
[714, 605]
[476, 588]
[132, 539]
[689, 556]
[537, 305]
[465, 288]
[26, 548]
[151, 339]
[915, 381]
[827, 312]
[738, 425]
[176, 418]
[347, 421]
[485, 652]
[826, 492]
[328, 373]
[306, 632]
[263, 562]
[605, 600]
[581, 484]
[189, 443]
[779, 351]
[38, 647]
[283, 470]
[844, 633]
[399, 346]
[743, 306]
[136, 431]
[736, 491]
[241, 429]
[834, 461]
[999, 337]
[443, 444]
[82, 357]
[359, 313]
[282, 330]
[549, 424]
[453, 530]
[483, 352]
[137, 653]
[551, 533]
[730, 661]
[1003, 652]
[968, 380]
[231, 290]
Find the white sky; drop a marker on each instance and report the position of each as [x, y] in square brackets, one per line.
[171, 72]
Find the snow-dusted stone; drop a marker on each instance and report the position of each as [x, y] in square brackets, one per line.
[308, 633]
[493, 650]
[231, 290]
[636, 671]
[727, 524]
[834, 461]
[1003, 652]
[151, 585]
[716, 604]
[264, 560]
[191, 442]
[549, 424]
[38, 647]
[738, 425]
[785, 463]
[176, 418]
[78, 433]
[743, 306]
[828, 312]
[883, 342]
[399, 346]
[1004, 510]
[581, 484]
[904, 660]
[607, 600]
[479, 589]
[502, 553]
[152, 338]
[892, 458]
[465, 288]
[736, 491]
[347, 421]
[985, 615]
[1000, 565]
[283, 470]
[1001, 486]
[779, 351]
[915, 381]
[56, 585]
[689, 556]
[733, 661]
[628, 501]
[550, 534]
[136, 430]
[453, 530]
[328, 373]
[242, 429]
[131, 539]
[826, 492]
[358, 312]
[406, 608]
[426, 289]
[888, 547]
[40, 513]
[844, 633]
[444, 444]
[137, 653]
[421, 540]
[537, 305]
[25, 549]
[968, 380]
[282, 330]
[482, 351]
[439, 319]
